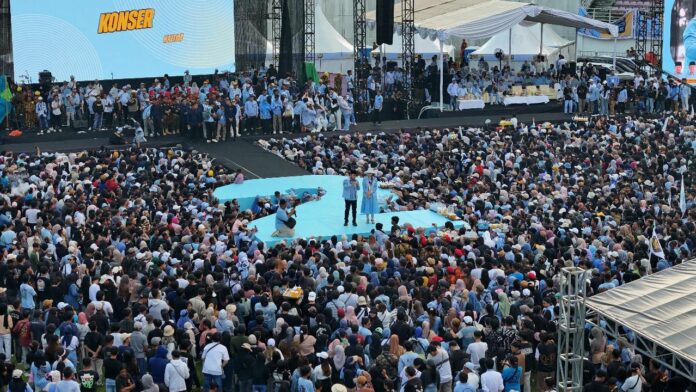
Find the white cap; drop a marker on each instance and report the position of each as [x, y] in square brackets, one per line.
[312, 296]
[468, 320]
[341, 289]
[526, 292]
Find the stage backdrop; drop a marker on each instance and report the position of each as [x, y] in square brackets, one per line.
[119, 39]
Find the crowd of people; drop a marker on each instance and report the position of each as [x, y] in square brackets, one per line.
[119, 268]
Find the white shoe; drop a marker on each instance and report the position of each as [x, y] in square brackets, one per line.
[60, 129]
[40, 133]
[207, 141]
[89, 129]
[214, 141]
[274, 132]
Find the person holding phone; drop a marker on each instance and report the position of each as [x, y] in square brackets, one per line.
[350, 195]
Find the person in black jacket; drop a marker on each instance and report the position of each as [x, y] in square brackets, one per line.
[245, 368]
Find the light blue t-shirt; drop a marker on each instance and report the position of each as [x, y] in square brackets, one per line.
[27, 294]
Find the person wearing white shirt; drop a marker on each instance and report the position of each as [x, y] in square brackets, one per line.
[635, 382]
[94, 289]
[477, 349]
[176, 373]
[452, 90]
[492, 381]
[215, 357]
[473, 377]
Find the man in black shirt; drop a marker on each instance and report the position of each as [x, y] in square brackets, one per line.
[112, 366]
[598, 384]
[401, 328]
[87, 377]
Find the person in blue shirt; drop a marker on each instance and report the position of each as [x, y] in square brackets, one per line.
[350, 195]
[370, 204]
[277, 112]
[281, 221]
[512, 374]
[266, 113]
[377, 109]
[27, 293]
[308, 117]
[251, 114]
[690, 40]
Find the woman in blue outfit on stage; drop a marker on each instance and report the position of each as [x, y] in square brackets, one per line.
[370, 205]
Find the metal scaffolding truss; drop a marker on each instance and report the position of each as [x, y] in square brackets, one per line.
[571, 329]
[408, 32]
[309, 31]
[359, 43]
[649, 32]
[645, 346]
[275, 16]
[657, 19]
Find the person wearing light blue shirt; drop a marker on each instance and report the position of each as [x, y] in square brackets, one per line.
[377, 109]
[281, 221]
[308, 117]
[251, 114]
[265, 111]
[277, 111]
[622, 99]
[350, 195]
[27, 294]
[690, 41]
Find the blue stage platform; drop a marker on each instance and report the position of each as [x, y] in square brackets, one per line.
[320, 218]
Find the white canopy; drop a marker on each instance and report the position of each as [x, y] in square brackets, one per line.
[329, 43]
[424, 46]
[476, 19]
[659, 308]
[522, 49]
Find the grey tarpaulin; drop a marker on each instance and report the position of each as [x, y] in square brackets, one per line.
[660, 307]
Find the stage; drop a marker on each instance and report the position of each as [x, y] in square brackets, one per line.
[320, 218]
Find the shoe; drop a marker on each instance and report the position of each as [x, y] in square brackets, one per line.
[355, 224]
[40, 133]
[89, 129]
[214, 140]
[274, 132]
[345, 223]
[60, 129]
[207, 141]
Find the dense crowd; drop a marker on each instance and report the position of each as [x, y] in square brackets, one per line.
[120, 268]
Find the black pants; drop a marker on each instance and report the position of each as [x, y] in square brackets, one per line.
[376, 116]
[251, 124]
[350, 204]
[266, 125]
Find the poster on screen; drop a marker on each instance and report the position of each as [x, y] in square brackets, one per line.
[105, 39]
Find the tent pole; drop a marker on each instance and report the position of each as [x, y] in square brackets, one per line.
[442, 71]
[509, 49]
[613, 60]
[541, 42]
[576, 45]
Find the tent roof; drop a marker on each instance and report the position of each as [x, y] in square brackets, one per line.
[484, 18]
[527, 46]
[329, 42]
[424, 46]
[660, 307]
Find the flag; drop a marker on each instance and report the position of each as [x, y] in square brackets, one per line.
[664, 126]
[682, 197]
[655, 246]
[5, 97]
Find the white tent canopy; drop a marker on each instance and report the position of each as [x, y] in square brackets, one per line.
[522, 49]
[329, 43]
[424, 46]
[661, 310]
[477, 19]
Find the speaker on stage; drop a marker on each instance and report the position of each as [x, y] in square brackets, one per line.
[385, 22]
[572, 67]
[285, 58]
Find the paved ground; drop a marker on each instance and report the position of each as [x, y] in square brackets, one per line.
[244, 153]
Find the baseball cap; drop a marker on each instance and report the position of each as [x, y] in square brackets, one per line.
[312, 296]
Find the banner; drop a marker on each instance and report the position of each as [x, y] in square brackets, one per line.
[626, 25]
[5, 98]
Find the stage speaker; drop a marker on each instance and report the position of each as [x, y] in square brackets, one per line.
[572, 67]
[45, 77]
[285, 58]
[385, 22]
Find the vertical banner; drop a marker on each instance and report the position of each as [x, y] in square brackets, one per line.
[385, 22]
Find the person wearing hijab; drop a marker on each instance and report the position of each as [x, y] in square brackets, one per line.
[503, 309]
[339, 357]
[148, 384]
